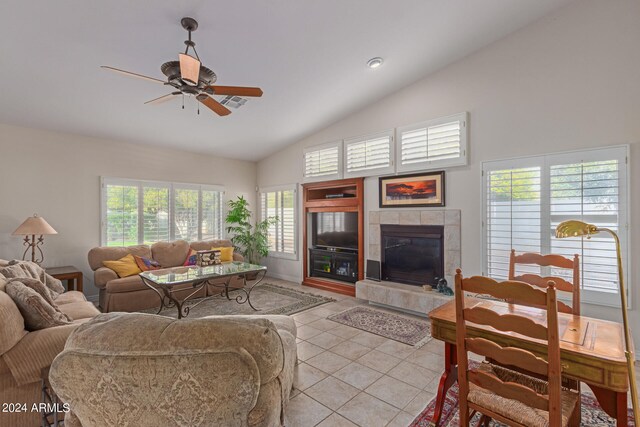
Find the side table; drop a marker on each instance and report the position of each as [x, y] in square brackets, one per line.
[69, 273]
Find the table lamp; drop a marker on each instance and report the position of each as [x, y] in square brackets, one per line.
[574, 228]
[30, 228]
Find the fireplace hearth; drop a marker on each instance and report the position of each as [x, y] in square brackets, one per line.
[412, 254]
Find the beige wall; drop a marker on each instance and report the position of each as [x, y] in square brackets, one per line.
[567, 82]
[58, 175]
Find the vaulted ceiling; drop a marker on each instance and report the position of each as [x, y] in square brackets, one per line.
[308, 56]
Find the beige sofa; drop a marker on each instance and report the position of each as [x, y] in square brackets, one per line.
[133, 369]
[23, 354]
[129, 293]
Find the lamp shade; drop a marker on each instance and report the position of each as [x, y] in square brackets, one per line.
[189, 69]
[574, 228]
[34, 225]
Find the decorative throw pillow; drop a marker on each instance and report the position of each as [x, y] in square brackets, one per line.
[124, 267]
[47, 294]
[192, 258]
[30, 269]
[146, 264]
[37, 313]
[226, 253]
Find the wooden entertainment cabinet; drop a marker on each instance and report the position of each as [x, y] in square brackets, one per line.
[345, 195]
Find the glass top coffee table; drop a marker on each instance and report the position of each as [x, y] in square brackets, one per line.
[164, 282]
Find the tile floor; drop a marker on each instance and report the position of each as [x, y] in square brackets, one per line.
[346, 377]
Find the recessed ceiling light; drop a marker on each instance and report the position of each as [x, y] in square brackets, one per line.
[375, 62]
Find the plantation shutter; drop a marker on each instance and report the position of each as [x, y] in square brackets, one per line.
[322, 162]
[155, 211]
[525, 199]
[280, 204]
[435, 143]
[589, 191]
[120, 214]
[372, 153]
[211, 222]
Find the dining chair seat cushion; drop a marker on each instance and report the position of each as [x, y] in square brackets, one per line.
[514, 409]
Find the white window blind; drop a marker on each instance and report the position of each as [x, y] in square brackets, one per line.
[145, 212]
[433, 144]
[323, 162]
[525, 199]
[280, 203]
[370, 155]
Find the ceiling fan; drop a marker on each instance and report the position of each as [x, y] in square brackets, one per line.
[189, 77]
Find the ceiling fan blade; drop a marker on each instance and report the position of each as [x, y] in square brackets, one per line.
[189, 69]
[163, 98]
[130, 74]
[236, 90]
[217, 108]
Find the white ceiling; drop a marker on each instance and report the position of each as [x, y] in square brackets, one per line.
[308, 56]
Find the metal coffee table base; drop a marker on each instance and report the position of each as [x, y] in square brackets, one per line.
[169, 300]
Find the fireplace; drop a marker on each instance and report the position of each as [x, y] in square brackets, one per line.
[412, 254]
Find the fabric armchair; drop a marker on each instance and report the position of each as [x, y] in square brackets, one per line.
[147, 370]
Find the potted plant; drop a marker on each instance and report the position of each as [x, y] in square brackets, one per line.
[252, 242]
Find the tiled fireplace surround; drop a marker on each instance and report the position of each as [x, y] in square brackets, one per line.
[408, 297]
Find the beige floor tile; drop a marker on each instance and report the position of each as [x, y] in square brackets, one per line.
[379, 361]
[322, 312]
[306, 375]
[357, 375]
[332, 392]
[351, 350]
[305, 332]
[345, 331]
[335, 420]
[305, 317]
[412, 374]
[324, 324]
[433, 362]
[368, 339]
[417, 405]
[334, 307]
[368, 411]
[401, 420]
[396, 349]
[434, 346]
[325, 340]
[328, 362]
[306, 350]
[303, 411]
[393, 391]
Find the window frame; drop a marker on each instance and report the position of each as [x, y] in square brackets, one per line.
[328, 177]
[279, 188]
[171, 186]
[615, 152]
[428, 165]
[377, 171]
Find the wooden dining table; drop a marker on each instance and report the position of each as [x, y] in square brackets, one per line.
[591, 350]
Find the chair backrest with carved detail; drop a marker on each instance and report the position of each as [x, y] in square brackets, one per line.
[561, 284]
[520, 359]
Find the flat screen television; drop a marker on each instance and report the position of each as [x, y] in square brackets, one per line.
[335, 230]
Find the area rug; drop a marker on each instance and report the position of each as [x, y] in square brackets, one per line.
[592, 414]
[267, 298]
[414, 332]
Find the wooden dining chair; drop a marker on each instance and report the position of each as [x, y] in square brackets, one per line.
[551, 260]
[495, 391]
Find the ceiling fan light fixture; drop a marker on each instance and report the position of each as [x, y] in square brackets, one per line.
[374, 63]
[189, 69]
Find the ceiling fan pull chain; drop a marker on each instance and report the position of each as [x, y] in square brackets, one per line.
[183, 101]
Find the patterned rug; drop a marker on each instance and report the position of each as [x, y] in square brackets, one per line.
[267, 298]
[592, 414]
[406, 330]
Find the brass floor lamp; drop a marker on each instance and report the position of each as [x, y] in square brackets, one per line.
[573, 228]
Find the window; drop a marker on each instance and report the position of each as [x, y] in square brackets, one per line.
[433, 144]
[525, 199]
[280, 203]
[370, 155]
[145, 212]
[323, 162]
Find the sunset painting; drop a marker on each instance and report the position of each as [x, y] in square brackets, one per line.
[412, 190]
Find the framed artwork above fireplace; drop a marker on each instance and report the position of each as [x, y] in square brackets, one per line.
[415, 190]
